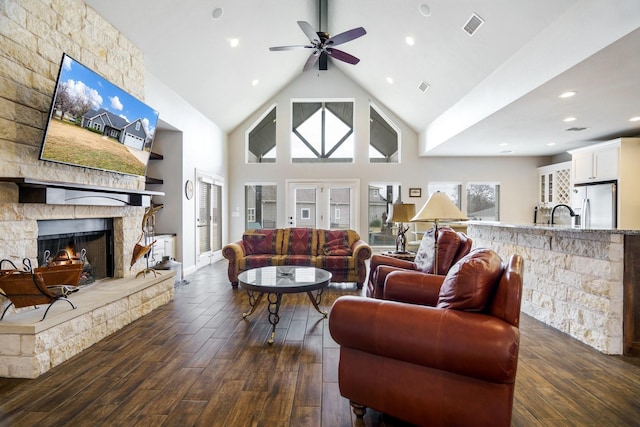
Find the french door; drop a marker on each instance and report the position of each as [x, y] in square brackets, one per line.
[322, 204]
[208, 219]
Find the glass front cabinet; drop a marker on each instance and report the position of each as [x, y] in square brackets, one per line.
[554, 184]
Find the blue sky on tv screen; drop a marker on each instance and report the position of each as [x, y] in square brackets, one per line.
[103, 94]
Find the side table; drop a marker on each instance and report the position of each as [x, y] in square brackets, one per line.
[406, 256]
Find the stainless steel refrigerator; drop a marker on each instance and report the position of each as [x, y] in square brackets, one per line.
[597, 205]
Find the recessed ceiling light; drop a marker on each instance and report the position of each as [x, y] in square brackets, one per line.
[569, 119]
[503, 144]
[424, 9]
[217, 13]
[234, 42]
[568, 94]
[550, 144]
[255, 82]
[635, 119]
[389, 80]
[410, 40]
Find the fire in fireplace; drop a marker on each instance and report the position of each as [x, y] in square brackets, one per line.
[78, 240]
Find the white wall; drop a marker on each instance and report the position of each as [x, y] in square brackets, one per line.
[517, 175]
[198, 144]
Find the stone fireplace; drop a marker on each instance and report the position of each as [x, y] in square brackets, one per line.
[30, 346]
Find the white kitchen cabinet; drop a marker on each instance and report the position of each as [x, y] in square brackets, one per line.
[554, 184]
[596, 163]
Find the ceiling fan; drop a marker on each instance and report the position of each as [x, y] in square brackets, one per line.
[322, 45]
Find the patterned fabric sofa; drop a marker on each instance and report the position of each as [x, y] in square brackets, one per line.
[340, 252]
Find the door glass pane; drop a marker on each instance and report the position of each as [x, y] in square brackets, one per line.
[204, 217]
[216, 217]
[305, 207]
[340, 208]
[261, 207]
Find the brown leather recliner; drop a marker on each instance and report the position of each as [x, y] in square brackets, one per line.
[447, 358]
[452, 246]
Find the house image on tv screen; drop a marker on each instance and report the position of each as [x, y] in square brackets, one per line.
[132, 134]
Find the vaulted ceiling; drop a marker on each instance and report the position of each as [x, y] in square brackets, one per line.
[492, 93]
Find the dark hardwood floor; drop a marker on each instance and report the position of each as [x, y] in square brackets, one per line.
[195, 361]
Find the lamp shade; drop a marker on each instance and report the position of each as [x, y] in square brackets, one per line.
[402, 212]
[439, 207]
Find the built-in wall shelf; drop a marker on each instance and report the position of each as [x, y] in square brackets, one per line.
[156, 181]
[67, 193]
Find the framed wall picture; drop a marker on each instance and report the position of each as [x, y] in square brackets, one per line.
[415, 192]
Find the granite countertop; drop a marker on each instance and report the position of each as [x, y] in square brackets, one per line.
[555, 228]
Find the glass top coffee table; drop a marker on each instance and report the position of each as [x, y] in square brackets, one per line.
[276, 281]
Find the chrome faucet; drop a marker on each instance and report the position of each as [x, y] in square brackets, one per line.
[553, 211]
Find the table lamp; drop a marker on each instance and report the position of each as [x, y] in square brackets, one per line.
[401, 213]
[438, 208]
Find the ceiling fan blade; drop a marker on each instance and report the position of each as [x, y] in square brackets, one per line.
[290, 47]
[313, 58]
[307, 29]
[342, 56]
[346, 36]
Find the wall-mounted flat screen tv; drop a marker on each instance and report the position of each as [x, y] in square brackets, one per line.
[95, 124]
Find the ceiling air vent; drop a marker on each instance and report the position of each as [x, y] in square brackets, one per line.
[423, 86]
[575, 129]
[473, 24]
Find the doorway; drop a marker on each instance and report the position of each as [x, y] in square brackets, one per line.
[208, 219]
[323, 204]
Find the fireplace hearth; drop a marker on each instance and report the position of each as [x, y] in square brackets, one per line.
[69, 240]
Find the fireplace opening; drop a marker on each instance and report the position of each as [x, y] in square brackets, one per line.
[72, 240]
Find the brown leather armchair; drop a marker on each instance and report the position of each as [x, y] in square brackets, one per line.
[452, 246]
[451, 362]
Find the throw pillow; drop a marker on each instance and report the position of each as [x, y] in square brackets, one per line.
[255, 244]
[471, 281]
[337, 247]
[426, 250]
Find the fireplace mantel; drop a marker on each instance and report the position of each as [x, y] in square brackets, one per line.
[66, 193]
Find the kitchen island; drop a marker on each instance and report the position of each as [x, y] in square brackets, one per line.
[581, 282]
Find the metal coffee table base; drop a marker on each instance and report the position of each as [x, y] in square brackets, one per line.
[273, 307]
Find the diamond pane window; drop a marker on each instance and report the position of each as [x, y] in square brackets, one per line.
[322, 132]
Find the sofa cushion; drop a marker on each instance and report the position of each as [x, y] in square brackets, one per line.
[337, 247]
[470, 283]
[258, 242]
[300, 241]
[255, 261]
